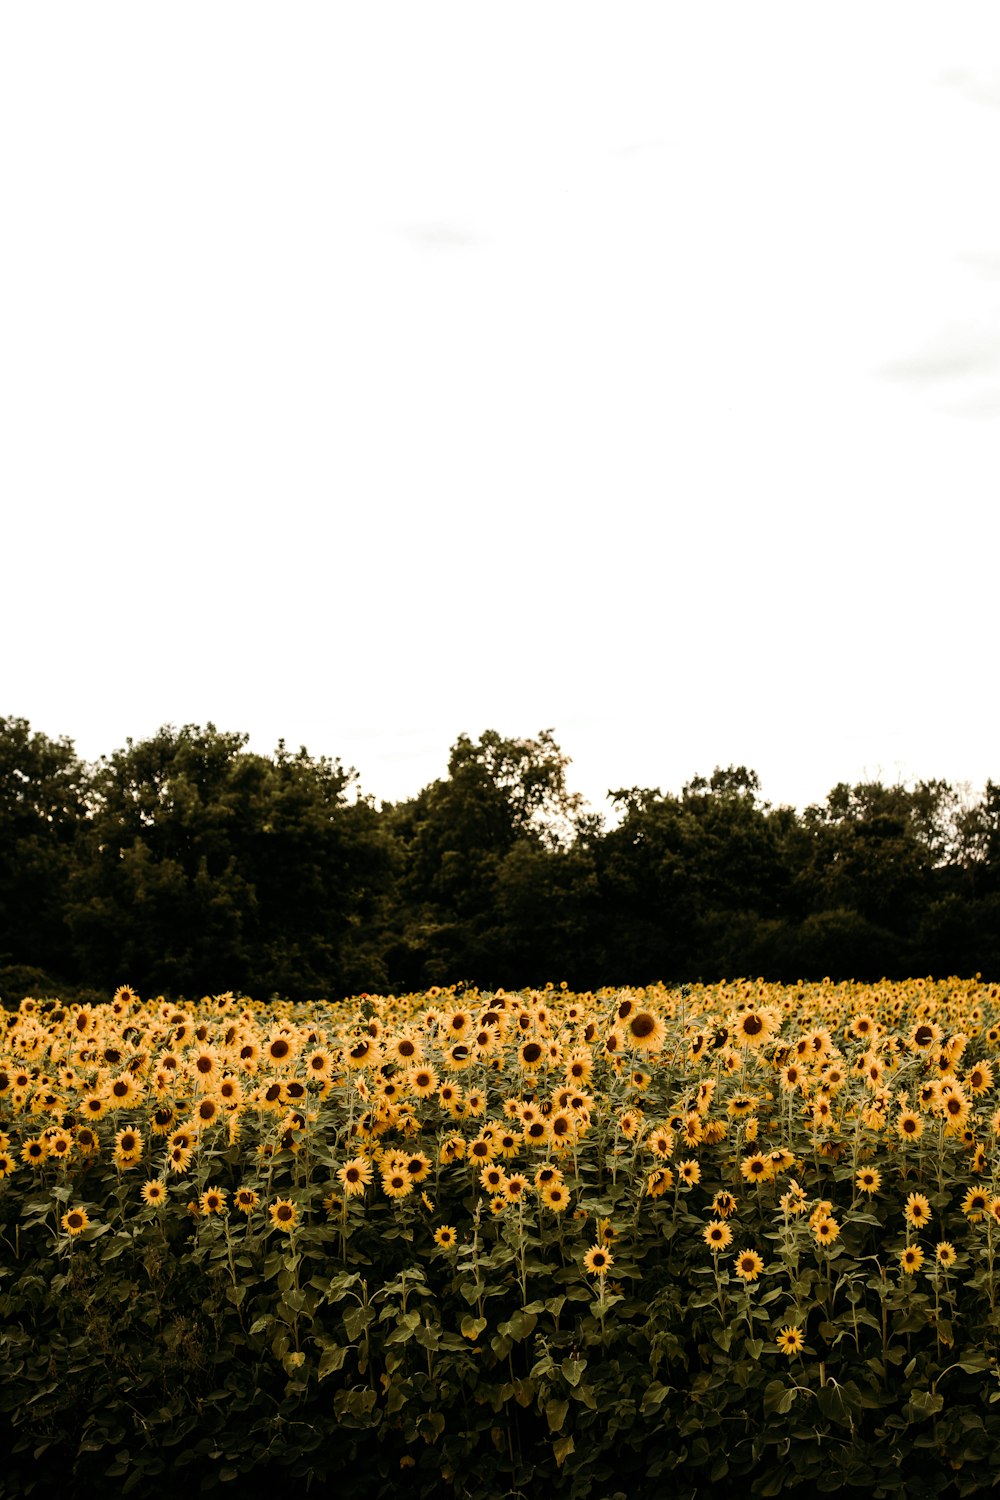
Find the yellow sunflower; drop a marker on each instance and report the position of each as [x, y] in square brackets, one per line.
[74, 1221]
[598, 1261]
[790, 1340]
[284, 1214]
[748, 1265]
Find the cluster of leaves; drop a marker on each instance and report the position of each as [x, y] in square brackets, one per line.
[188, 861]
[466, 1243]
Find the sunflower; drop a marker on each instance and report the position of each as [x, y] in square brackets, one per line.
[562, 1129]
[213, 1201]
[826, 1230]
[74, 1221]
[752, 1028]
[724, 1205]
[446, 1237]
[976, 1204]
[598, 1261]
[417, 1166]
[493, 1179]
[917, 1211]
[284, 1214]
[8, 1164]
[246, 1200]
[689, 1172]
[748, 1265]
[123, 1092]
[579, 1068]
[554, 1196]
[645, 1031]
[790, 1340]
[206, 1112]
[397, 1184]
[756, 1168]
[717, 1236]
[154, 1193]
[547, 1174]
[911, 1259]
[355, 1175]
[659, 1182]
[909, 1126]
[660, 1141]
[35, 1152]
[421, 1081]
[481, 1151]
[179, 1158]
[128, 1148]
[516, 1187]
[946, 1254]
[868, 1180]
[979, 1080]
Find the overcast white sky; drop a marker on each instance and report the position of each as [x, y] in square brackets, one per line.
[372, 374]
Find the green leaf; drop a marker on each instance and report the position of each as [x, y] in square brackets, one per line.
[925, 1404]
[562, 1448]
[778, 1398]
[573, 1370]
[330, 1360]
[556, 1411]
[472, 1327]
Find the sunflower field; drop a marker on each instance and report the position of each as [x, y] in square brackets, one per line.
[614, 1244]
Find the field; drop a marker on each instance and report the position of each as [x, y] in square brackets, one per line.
[624, 1243]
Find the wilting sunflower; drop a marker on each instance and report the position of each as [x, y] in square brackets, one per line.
[717, 1236]
[154, 1193]
[74, 1221]
[748, 1265]
[598, 1261]
[724, 1205]
[284, 1214]
[790, 1340]
[659, 1182]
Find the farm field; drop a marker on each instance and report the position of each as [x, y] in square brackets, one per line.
[635, 1241]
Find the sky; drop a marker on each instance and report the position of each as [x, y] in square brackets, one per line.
[371, 375]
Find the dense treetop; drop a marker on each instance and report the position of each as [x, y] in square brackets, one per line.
[185, 863]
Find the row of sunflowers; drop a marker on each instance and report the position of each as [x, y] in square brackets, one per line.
[461, 1241]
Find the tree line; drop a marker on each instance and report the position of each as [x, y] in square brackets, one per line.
[186, 864]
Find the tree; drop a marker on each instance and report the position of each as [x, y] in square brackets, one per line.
[43, 806]
[453, 839]
[207, 867]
